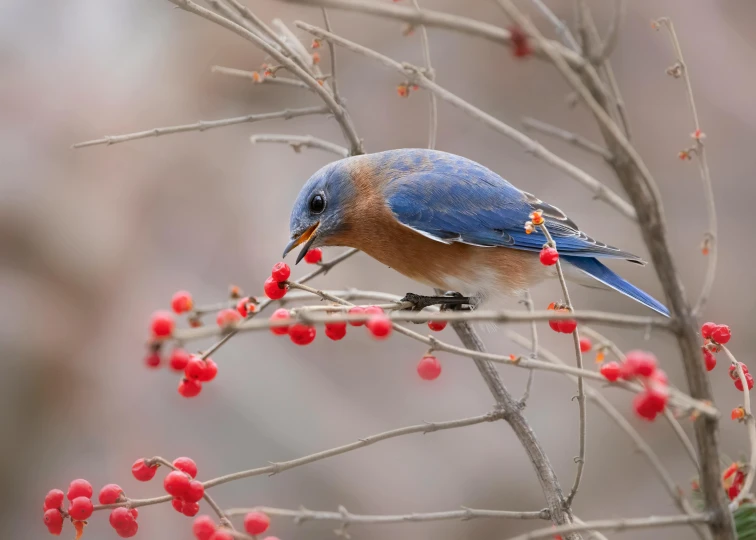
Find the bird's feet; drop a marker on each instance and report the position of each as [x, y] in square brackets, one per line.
[450, 301]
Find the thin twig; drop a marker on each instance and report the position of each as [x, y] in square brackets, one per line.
[433, 106]
[612, 35]
[751, 425]
[347, 518]
[414, 73]
[233, 72]
[203, 125]
[615, 525]
[528, 301]
[562, 30]
[711, 239]
[569, 136]
[583, 423]
[297, 142]
[332, 53]
[339, 112]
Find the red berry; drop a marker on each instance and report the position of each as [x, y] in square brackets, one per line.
[203, 527]
[737, 413]
[222, 535]
[280, 315]
[161, 324]
[281, 271]
[429, 368]
[647, 405]
[256, 523]
[379, 326]
[554, 325]
[134, 512]
[186, 465]
[520, 46]
[79, 488]
[640, 363]
[709, 359]
[54, 520]
[227, 318]
[178, 505]
[335, 330]
[201, 370]
[706, 329]
[314, 256]
[110, 494]
[176, 483]
[189, 388]
[356, 310]
[152, 360]
[567, 326]
[81, 508]
[244, 306]
[142, 472]
[179, 359]
[182, 302]
[301, 334]
[190, 509]
[611, 371]
[437, 326]
[585, 344]
[721, 334]
[549, 256]
[194, 492]
[273, 289]
[749, 381]
[129, 530]
[121, 517]
[53, 499]
[374, 310]
[659, 377]
[734, 374]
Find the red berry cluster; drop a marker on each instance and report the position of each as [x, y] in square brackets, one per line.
[275, 286]
[736, 378]
[300, 333]
[80, 507]
[181, 484]
[196, 372]
[563, 326]
[733, 479]
[714, 335]
[255, 523]
[642, 367]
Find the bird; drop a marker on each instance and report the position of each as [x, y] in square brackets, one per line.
[450, 223]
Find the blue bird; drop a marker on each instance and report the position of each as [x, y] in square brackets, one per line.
[447, 222]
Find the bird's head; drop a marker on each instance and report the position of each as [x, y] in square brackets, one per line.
[318, 212]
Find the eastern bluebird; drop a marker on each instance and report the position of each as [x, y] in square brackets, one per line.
[448, 222]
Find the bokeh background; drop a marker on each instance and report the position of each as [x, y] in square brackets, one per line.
[92, 240]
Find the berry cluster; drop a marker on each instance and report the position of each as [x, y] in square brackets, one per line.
[255, 523]
[642, 367]
[275, 286]
[736, 378]
[715, 336]
[182, 486]
[563, 326]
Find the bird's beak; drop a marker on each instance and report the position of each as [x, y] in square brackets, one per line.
[306, 238]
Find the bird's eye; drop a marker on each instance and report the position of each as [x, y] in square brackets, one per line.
[317, 204]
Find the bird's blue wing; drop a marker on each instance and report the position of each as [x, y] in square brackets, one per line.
[453, 199]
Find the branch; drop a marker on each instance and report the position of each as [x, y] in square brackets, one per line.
[417, 76]
[437, 19]
[339, 113]
[347, 518]
[665, 477]
[561, 29]
[615, 525]
[612, 35]
[203, 125]
[569, 136]
[710, 243]
[297, 142]
[528, 301]
[233, 72]
[433, 108]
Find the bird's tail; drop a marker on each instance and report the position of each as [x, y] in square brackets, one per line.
[601, 273]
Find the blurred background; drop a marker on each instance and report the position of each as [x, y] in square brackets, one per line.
[93, 240]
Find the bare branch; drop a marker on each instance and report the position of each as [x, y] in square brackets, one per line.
[204, 125]
[612, 35]
[569, 136]
[339, 113]
[297, 142]
[433, 107]
[561, 29]
[347, 518]
[332, 52]
[415, 74]
[615, 525]
[528, 301]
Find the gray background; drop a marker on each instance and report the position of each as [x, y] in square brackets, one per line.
[94, 240]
